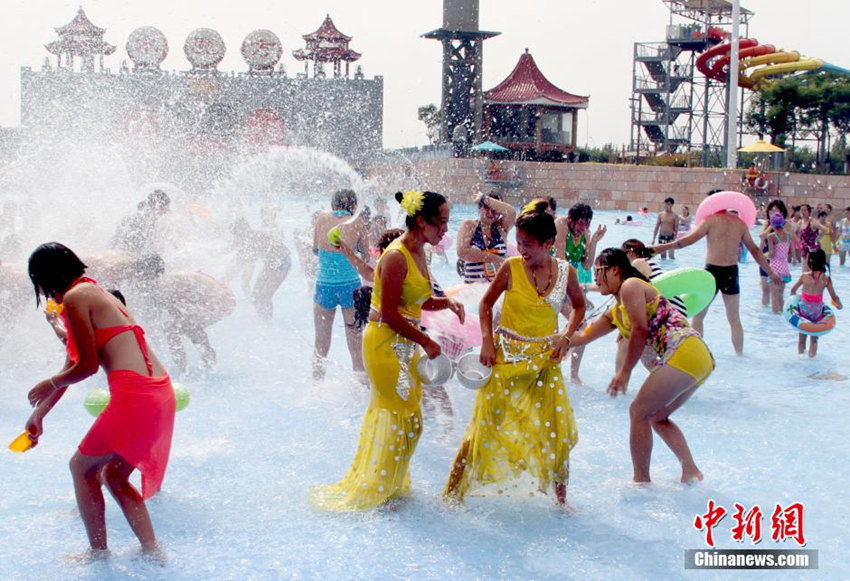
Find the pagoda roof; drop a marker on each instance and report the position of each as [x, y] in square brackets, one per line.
[326, 55]
[80, 47]
[327, 31]
[526, 85]
[80, 25]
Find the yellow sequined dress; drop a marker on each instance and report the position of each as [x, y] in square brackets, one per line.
[522, 424]
[393, 421]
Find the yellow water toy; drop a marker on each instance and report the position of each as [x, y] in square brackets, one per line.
[54, 308]
[22, 443]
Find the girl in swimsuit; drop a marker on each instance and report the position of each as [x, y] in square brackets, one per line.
[810, 233]
[572, 244]
[482, 243]
[779, 249]
[813, 283]
[644, 317]
[135, 429]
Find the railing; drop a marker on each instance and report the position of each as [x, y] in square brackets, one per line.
[652, 50]
[650, 85]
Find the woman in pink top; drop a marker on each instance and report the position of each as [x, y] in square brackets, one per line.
[134, 430]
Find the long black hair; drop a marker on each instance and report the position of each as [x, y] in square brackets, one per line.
[536, 221]
[616, 257]
[430, 210]
[52, 269]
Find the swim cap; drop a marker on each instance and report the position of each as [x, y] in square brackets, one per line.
[777, 220]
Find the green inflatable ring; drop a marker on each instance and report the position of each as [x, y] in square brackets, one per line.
[695, 286]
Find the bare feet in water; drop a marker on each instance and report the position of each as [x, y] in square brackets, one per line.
[691, 476]
[89, 556]
[154, 553]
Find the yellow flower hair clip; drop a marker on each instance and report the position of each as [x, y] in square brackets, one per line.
[531, 206]
[412, 201]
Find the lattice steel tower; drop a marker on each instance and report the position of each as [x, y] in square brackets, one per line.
[674, 107]
[463, 55]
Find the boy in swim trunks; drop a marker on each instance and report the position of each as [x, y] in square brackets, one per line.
[666, 227]
[724, 232]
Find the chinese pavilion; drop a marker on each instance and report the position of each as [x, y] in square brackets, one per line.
[531, 116]
[80, 38]
[326, 45]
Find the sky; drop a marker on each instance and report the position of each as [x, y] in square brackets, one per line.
[584, 47]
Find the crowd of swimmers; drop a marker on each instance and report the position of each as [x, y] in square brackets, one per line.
[380, 279]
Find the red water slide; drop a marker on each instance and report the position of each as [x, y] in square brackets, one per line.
[711, 69]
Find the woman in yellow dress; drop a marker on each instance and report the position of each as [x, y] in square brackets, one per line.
[523, 422]
[645, 318]
[393, 422]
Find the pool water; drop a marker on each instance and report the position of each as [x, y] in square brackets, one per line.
[259, 433]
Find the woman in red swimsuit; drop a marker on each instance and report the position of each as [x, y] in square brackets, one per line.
[134, 431]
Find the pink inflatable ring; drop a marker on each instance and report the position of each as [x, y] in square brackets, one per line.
[723, 201]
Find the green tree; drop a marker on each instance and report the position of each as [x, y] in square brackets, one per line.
[432, 117]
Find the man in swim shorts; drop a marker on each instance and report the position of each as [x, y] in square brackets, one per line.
[724, 233]
[666, 227]
[337, 279]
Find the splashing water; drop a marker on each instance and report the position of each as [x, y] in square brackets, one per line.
[259, 432]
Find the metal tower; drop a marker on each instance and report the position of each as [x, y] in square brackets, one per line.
[463, 54]
[674, 108]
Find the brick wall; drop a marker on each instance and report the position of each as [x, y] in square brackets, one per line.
[620, 187]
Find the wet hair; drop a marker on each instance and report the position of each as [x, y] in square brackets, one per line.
[817, 261]
[616, 257]
[638, 247]
[118, 295]
[52, 268]
[686, 208]
[779, 205]
[158, 199]
[669, 201]
[387, 237]
[150, 266]
[580, 211]
[345, 200]
[629, 218]
[823, 214]
[494, 195]
[847, 209]
[553, 203]
[537, 222]
[806, 206]
[714, 191]
[430, 210]
[828, 205]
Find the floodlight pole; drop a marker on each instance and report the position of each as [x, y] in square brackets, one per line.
[732, 110]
